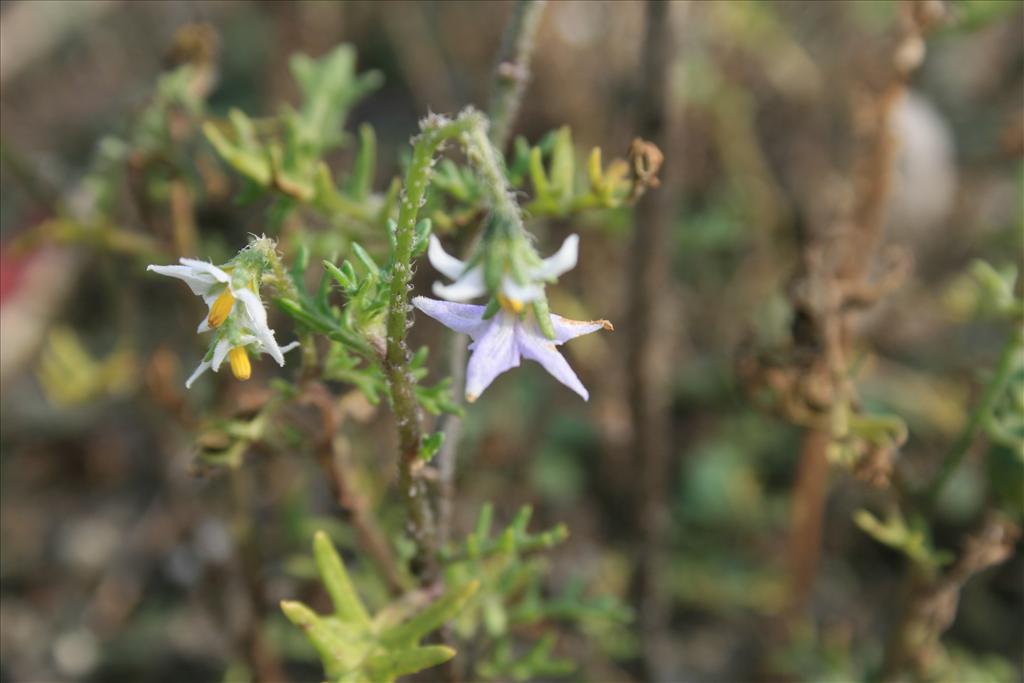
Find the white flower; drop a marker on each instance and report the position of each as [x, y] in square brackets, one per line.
[220, 289]
[237, 353]
[501, 341]
[469, 282]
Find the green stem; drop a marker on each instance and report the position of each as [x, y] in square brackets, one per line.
[487, 161]
[403, 398]
[513, 70]
[994, 389]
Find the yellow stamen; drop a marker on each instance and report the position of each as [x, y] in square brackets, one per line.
[240, 366]
[513, 305]
[221, 308]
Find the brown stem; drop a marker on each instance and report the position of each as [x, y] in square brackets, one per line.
[806, 519]
[932, 602]
[262, 659]
[332, 455]
[650, 348]
[513, 70]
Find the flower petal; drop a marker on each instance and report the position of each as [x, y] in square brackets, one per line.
[199, 283]
[206, 268]
[521, 293]
[203, 367]
[469, 286]
[561, 261]
[220, 352]
[534, 346]
[566, 329]
[493, 353]
[254, 310]
[256, 322]
[288, 347]
[445, 263]
[463, 318]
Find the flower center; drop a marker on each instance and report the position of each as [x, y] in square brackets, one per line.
[221, 308]
[513, 305]
[240, 366]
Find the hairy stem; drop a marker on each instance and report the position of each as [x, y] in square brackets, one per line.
[513, 70]
[421, 522]
[488, 162]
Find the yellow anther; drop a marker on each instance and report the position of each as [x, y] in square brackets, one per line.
[240, 366]
[513, 305]
[221, 308]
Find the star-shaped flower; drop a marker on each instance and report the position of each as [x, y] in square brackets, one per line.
[501, 341]
[238, 330]
[469, 278]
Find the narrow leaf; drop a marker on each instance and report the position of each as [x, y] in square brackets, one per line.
[432, 617]
[347, 604]
[390, 665]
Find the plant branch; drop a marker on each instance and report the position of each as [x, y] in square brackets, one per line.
[332, 457]
[649, 352]
[513, 70]
[421, 523]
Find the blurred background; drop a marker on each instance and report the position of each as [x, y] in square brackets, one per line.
[120, 559]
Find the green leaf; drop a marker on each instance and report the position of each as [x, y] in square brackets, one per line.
[355, 648]
[360, 182]
[421, 235]
[432, 617]
[326, 637]
[246, 156]
[431, 445]
[563, 165]
[390, 665]
[343, 276]
[541, 186]
[329, 88]
[365, 258]
[347, 604]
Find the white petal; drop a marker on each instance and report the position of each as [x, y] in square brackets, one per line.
[493, 353]
[203, 267]
[204, 326]
[199, 283]
[203, 367]
[288, 347]
[220, 352]
[254, 310]
[256, 323]
[533, 345]
[445, 263]
[566, 329]
[521, 293]
[463, 318]
[560, 262]
[469, 286]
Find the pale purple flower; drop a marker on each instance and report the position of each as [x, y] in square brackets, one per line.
[501, 341]
[469, 282]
